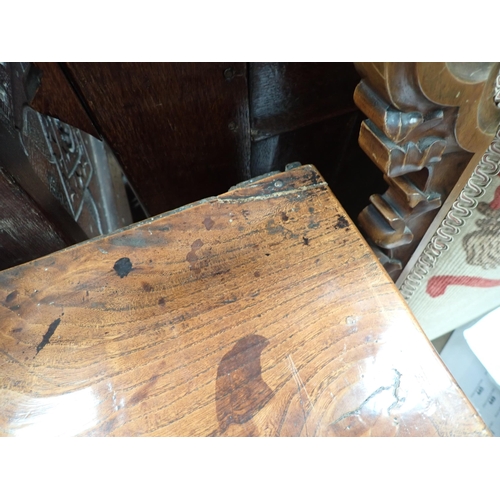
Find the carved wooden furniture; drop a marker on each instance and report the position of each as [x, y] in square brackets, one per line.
[58, 185]
[454, 276]
[181, 131]
[431, 130]
[260, 312]
[186, 131]
[425, 123]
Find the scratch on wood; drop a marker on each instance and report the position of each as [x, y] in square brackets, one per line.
[31, 372]
[298, 379]
[10, 357]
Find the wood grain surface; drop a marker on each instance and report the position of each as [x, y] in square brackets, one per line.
[260, 312]
[289, 96]
[55, 97]
[179, 130]
[25, 231]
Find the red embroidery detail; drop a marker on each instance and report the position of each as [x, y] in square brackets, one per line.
[437, 285]
[495, 204]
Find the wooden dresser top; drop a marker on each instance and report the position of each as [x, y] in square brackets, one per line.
[260, 312]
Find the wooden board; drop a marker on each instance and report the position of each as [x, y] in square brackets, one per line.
[289, 96]
[25, 231]
[261, 312]
[179, 130]
[55, 97]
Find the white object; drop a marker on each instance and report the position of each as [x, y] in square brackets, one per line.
[483, 338]
[473, 378]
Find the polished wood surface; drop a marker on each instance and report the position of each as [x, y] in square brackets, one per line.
[260, 312]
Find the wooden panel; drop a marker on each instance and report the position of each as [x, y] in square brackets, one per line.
[15, 157]
[25, 231]
[61, 181]
[37, 223]
[258, 312]
[287, 96]
[180, 130]
[55, 97]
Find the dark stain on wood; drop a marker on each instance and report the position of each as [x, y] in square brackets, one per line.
[240, 390]
[305, 240]
[11, 296]
[272, 228]
[192, 258]
[284, 216]
[46, 337]
[161, 301]
[143, 392]
[256, 274]
[123, 266]
[218, 273]
[342, 222]
[208, 223]
[315, 177]
[147, 287]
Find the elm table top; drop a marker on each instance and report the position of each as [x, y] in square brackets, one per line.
[261, 312]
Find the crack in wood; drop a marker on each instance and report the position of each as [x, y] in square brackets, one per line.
[395, 388]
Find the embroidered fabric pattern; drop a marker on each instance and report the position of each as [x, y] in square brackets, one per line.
[488, 167]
